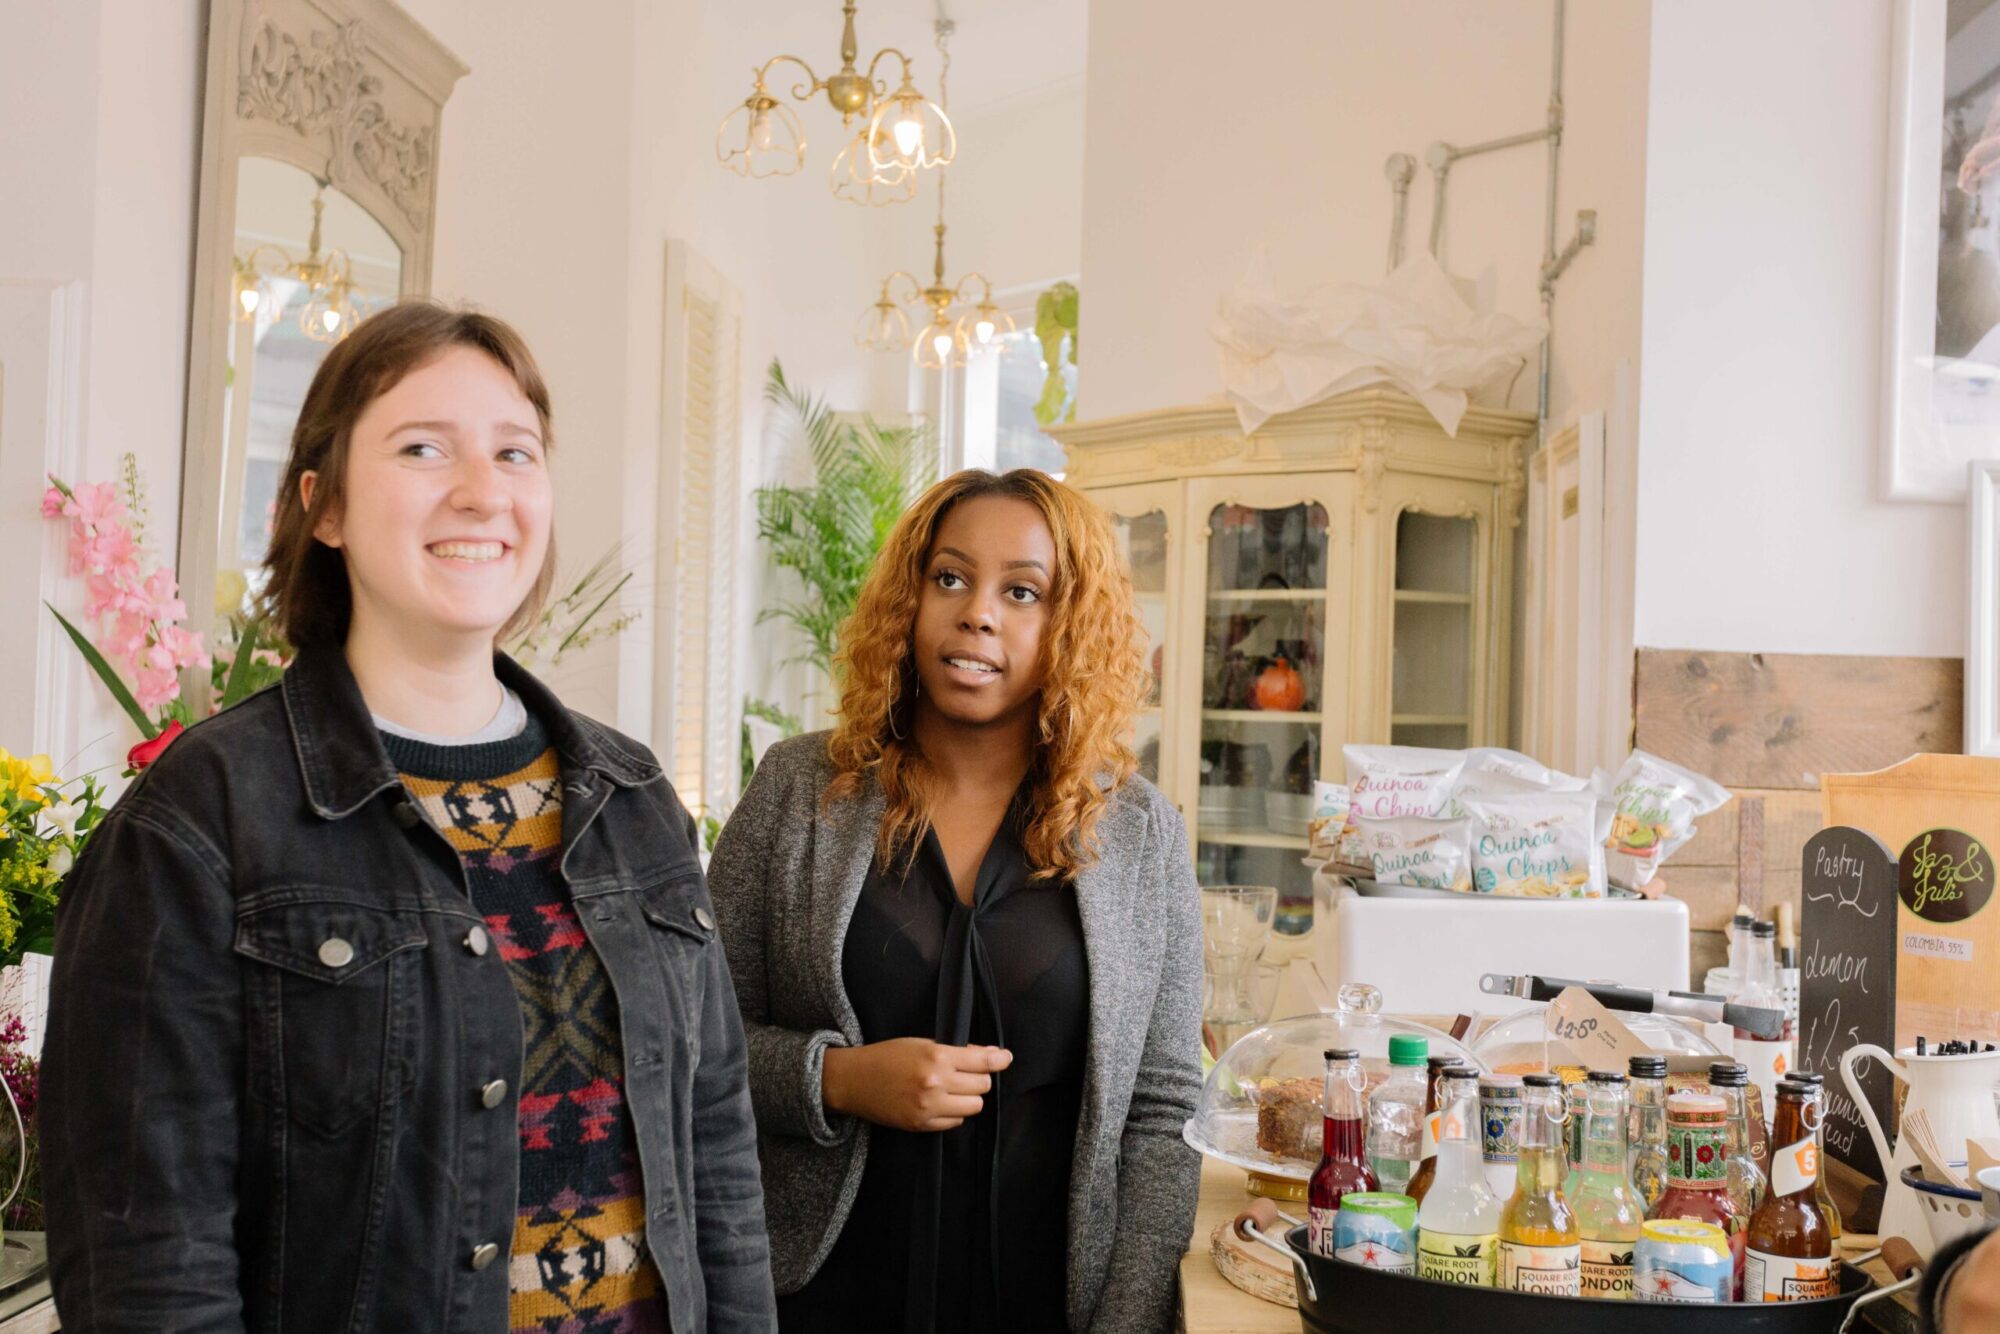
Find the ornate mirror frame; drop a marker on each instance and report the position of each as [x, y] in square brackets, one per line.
[351, 91]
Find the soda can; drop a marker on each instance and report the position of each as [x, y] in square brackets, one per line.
[1678, 1260]
[1377, 1230]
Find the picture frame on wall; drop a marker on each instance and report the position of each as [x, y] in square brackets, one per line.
[1941, 400]
[1982, 624]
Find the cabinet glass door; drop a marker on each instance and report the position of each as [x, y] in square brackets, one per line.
[1140, 521]
[1430, 700]
[1263, 622]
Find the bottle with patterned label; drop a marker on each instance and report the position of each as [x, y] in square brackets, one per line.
[1608, 1210]
[1539, 1248]
[1788, 1254]
[1459, 1221]
[1698, 1180]
[1343, 1168]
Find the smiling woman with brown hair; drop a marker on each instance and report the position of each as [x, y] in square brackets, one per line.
[965, 939]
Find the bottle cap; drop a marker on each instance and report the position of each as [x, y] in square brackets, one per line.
[1398, 1209]
[1341, 1054]
[1812, 1077]
[1648, 1067]
[1500, 1085]
[1795, 1088]
[1408, 1049]
[1606, 1077]
[1763, 929]
[1440, 1064]
[1728, 1074]
[1456, 1071]
[1539, 1081]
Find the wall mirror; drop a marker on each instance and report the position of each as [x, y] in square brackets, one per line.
[318, 185]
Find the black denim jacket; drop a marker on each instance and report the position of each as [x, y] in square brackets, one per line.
[271, 1026]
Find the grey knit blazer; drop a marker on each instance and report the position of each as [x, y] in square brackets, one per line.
[784, 880]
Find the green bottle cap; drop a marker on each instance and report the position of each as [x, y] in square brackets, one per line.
[1408, 1049]
[1398, 1209]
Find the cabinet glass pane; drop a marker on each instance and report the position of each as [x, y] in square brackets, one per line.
[1250, 549]
[1430, 702]
[1265, 656]
[1254, 804]
[1235, 864]
[1142, 541]
[1146, 741]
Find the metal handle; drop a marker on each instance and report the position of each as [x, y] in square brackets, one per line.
[1250, 1225]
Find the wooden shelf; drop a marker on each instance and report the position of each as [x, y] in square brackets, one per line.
[1444, 599]
[1266, 595]
[1429, 720]
[1258, 838]
[1259, 716]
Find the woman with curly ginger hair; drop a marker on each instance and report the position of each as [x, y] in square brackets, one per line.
[966, 942]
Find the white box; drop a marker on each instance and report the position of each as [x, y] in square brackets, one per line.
[1427, 955]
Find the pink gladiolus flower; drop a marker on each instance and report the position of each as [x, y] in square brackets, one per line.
[52, 503]
[97, 503]
[162, 595]
[156, 687]
[183, 646]
[112, 550]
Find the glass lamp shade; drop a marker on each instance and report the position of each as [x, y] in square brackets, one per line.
[910, 131]
[855, 179]
[984, 326]
[938, 347]
[883, 327]
[761, 138]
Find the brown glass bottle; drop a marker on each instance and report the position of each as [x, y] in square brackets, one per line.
[1420, 1180]
[1788, 1250]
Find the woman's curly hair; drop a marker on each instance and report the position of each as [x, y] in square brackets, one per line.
[1094, 676]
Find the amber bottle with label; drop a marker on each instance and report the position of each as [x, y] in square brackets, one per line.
[1788, 1250]
[1427, 1165]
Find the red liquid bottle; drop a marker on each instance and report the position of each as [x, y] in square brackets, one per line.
[1343, 1164]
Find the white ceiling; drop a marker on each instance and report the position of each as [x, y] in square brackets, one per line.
[1004, 51]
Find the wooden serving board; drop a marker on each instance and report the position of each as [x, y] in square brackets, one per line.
[1251, 1267]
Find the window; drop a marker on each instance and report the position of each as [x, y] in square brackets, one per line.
[989, 405]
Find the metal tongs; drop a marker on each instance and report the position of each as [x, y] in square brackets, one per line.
[1902, 1261]
[1754, 1019]
[1250, 1225]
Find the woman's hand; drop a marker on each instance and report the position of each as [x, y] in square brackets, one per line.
[910, 1083]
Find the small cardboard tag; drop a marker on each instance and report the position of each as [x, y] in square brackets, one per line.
[1593, 1034]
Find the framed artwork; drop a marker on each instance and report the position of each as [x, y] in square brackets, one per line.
[1941, 401]
[1982, 624]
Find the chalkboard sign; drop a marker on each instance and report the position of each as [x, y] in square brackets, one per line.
[1847, 980]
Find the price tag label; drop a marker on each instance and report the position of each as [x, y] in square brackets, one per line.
[1595, 1035]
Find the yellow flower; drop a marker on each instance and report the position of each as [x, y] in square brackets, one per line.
[25, 778]
[230, 589]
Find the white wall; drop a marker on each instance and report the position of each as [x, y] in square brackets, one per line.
[1760, 420]
[1280, 142]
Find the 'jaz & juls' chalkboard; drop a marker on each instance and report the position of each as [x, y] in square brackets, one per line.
[1847, 980]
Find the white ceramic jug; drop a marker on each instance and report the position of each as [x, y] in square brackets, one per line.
[1955, 1092]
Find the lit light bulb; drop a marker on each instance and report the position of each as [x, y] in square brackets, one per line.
[329, 320]
[942, 343]
[983, 331]
[248, 296]
[760, 132]
[909, 134]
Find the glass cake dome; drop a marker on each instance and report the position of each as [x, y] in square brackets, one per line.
[1262, 1105]
[1521, 1043]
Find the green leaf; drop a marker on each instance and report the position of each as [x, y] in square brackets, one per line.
[240, 674]
[107, 675]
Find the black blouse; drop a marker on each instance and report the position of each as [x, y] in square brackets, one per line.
[946, 1223]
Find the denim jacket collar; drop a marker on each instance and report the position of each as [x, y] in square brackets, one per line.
[340, 752]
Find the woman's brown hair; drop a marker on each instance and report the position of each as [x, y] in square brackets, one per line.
[307, 599]
[1094, 676]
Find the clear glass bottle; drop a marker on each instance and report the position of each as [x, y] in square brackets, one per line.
[1343, 1167]
[1420, 1182]
[1396, 1114]
[1539, 1248]
[1608, 1211]
[1729, 1081]
[1767, 1059]
[1788, 1250]
[1648, 1127]
[1458, 1223]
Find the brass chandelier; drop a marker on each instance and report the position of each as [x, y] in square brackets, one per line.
[330, 310]
[901, 132]
[946, 340]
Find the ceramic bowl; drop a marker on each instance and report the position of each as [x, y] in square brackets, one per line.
[1950, 1212]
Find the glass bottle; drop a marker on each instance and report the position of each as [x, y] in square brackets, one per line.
[1729, 1081]
[1608, 1210]
[1342, 1166]
[1396, 1114]
[1648, 1130]
[1420, 1181]
[1579, 1118]
[1767, 1059]
[1698, 1170]
[1788, 1249]
[1539, 1249]
[1458, 1223]
[1817, 1119]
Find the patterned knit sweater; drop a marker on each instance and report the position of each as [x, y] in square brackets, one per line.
[579, 1262]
